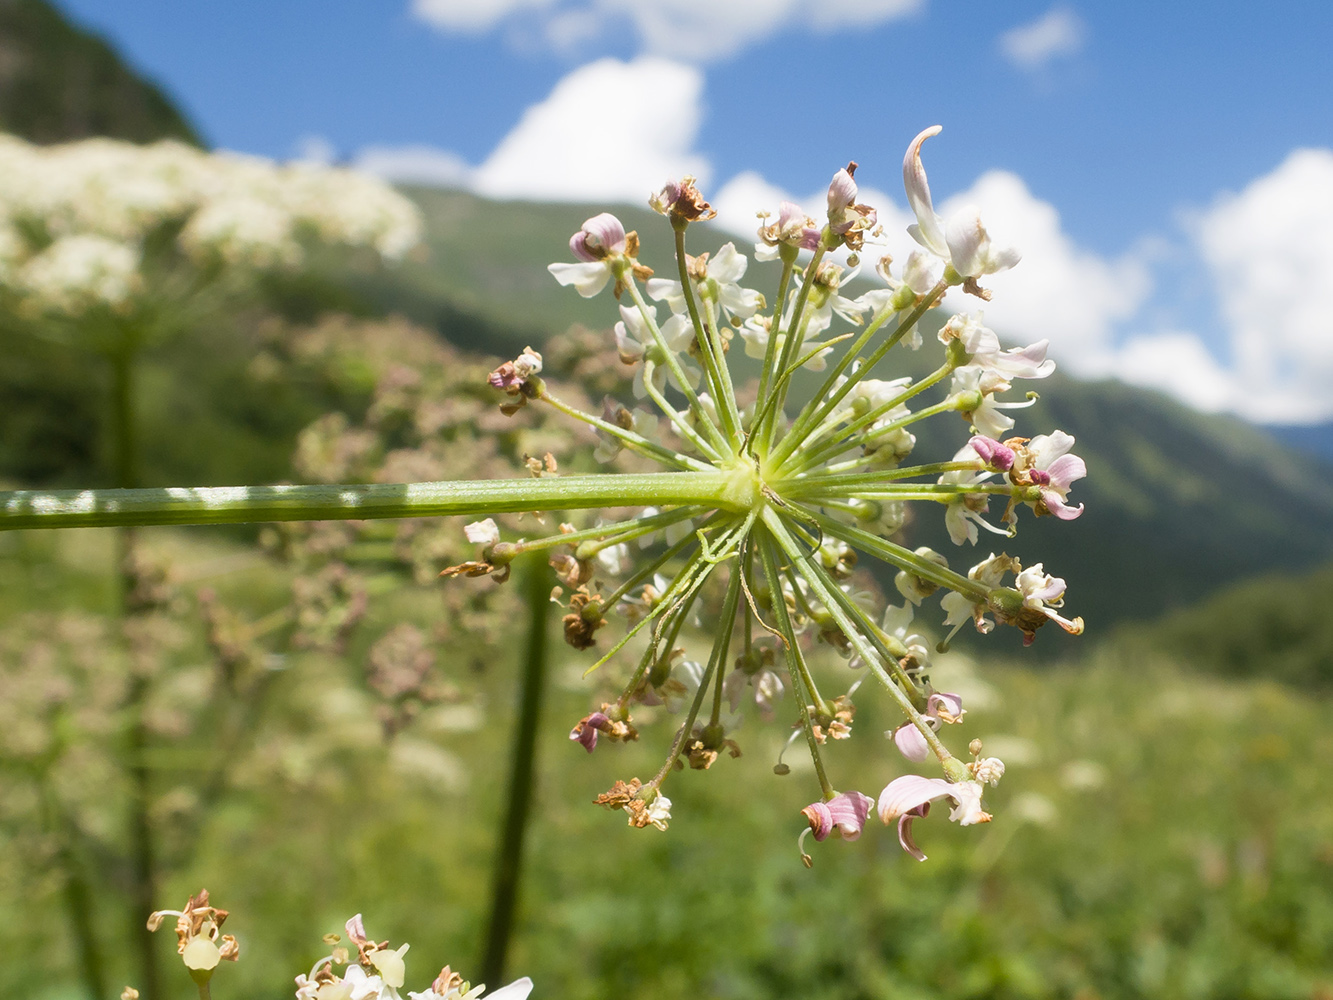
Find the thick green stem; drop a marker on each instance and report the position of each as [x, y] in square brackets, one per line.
[508, 862]
[238, 504]
[143, 850]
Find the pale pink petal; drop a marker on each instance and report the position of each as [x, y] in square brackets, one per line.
[905, 830]
[910, 743]
[727, 265]
[902, 795]
[967, 240]
[600, 235]
[967, 809]
[849, 811]
[517, 990]
[841, 192]
[821, 819]
[992, 452]
[1065, 470]
[1057, 506]
[929, 229]
[922, 271]
[945, 705]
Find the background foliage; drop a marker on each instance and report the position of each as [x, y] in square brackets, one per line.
[1164, 828]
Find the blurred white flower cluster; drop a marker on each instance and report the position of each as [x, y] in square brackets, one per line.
[80, 222]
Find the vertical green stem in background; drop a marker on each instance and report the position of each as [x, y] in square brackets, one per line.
[143, 855]
[77, 893]
[508, 862]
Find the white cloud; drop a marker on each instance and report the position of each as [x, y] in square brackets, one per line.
[1270, 250]
[576, 144]
[693, 30]
[593, 138]
[1178, 363]
[315, 149]
[1058, 32]
[414, 165]
[472, 16]
[1058, 292]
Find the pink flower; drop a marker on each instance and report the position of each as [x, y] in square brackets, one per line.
[601, 236]
[1054, 470]
[996, 455]
[793, 228]
[941, 706]
[906, 798]
[846, 218]
[585, 733]
[844, 814]
[597, 245]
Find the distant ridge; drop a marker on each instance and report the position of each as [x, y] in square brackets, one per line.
[1313, 439]
[59, 82]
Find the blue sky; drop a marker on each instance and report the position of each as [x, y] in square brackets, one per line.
[1144, 152]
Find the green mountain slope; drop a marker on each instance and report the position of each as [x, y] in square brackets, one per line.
[59, 82]
[1276, 626]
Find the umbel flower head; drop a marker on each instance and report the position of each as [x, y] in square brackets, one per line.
[763, 510]
[376, 971]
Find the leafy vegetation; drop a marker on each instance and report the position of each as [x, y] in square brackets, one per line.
[1275, 627]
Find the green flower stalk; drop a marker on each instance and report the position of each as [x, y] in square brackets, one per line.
[758, 512]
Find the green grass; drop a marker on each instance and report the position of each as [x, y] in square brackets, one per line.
[1158, 833]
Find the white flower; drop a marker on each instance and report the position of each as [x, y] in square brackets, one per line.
[965, 511]
[717, 280]
[79, 273]
[896, 622]
[517, 990]
[361, 986]
[659, 812]
[598, 244]
[962, 240]
[983, 348]
[614, 559]
[635, 343]
[1050, 465]
[767, 686]
[979, 386]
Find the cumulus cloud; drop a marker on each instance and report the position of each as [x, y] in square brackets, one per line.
[1270, 251]
[414, 165]
[1180, 364]
[1058, 32]
[577, 146]
[694, 30]
[573, 146]
[1059, 291]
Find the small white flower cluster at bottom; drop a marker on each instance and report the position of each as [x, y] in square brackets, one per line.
[377, 972]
